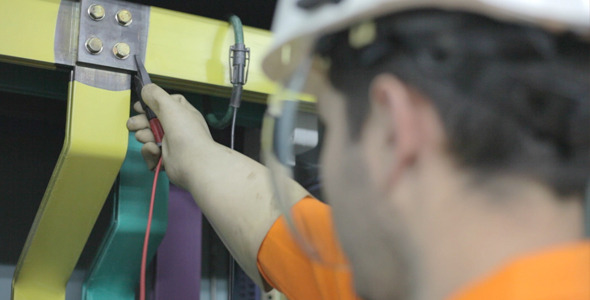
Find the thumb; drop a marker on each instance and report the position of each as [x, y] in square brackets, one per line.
[156, 98]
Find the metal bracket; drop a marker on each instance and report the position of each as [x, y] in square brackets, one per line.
[112, 32]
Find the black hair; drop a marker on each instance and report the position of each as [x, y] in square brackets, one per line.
[511, 97]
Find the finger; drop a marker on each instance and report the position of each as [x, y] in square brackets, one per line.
[145, 136]
[155, 97]
[177, 97]
[138, 122]
[137, 107]
[151, 154]
[180, 99]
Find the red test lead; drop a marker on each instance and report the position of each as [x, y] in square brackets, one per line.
[141, 79]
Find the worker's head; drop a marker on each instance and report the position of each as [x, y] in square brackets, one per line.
[434, 116]
[445, 101]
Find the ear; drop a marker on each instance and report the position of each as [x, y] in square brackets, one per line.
[395, 111]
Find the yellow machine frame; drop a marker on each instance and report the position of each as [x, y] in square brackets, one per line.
[185, 52]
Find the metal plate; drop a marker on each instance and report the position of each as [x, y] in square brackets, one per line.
[103, 79]
[110, 32]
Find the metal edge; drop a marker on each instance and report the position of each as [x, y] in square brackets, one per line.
[103, 79]
[66, 33]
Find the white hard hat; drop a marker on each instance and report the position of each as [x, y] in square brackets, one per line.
[296, 28]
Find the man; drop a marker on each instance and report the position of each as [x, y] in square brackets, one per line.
[456, 157]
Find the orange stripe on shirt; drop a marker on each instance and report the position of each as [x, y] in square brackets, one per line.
[559, 273]
[289, 269]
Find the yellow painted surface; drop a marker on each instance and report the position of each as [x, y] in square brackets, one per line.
[184, 51]
[93, 151]
[27, 29]
[184, 47]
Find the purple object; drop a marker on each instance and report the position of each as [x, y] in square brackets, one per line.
[178, 269]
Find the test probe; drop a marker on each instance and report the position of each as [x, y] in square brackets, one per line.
[141, 79]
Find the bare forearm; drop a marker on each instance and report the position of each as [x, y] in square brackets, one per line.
[234, 193]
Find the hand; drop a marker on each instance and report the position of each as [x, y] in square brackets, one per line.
[185, 132]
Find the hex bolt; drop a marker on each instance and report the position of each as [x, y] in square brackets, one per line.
[124, 17]
[121, 50]
[96, 12]
[94, 45]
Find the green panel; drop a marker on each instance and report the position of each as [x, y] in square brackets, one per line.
[249, 114]
[115, 271]
[27, 80]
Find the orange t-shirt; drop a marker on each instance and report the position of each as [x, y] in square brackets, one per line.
[562, 273]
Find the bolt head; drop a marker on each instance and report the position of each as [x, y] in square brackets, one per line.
[124, 17]
[94, 45]
[121, 50]
[96, 12]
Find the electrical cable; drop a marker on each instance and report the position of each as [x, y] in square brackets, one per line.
[220, 124]
[231, 259]
[147, 234]
[239, 57]
[233, 129]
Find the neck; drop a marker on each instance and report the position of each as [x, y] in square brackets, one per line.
[470, 233]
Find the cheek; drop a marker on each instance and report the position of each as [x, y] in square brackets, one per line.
[345, 185]
[341, 189]
[358, 215]
[328, 160]
[333, 155]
